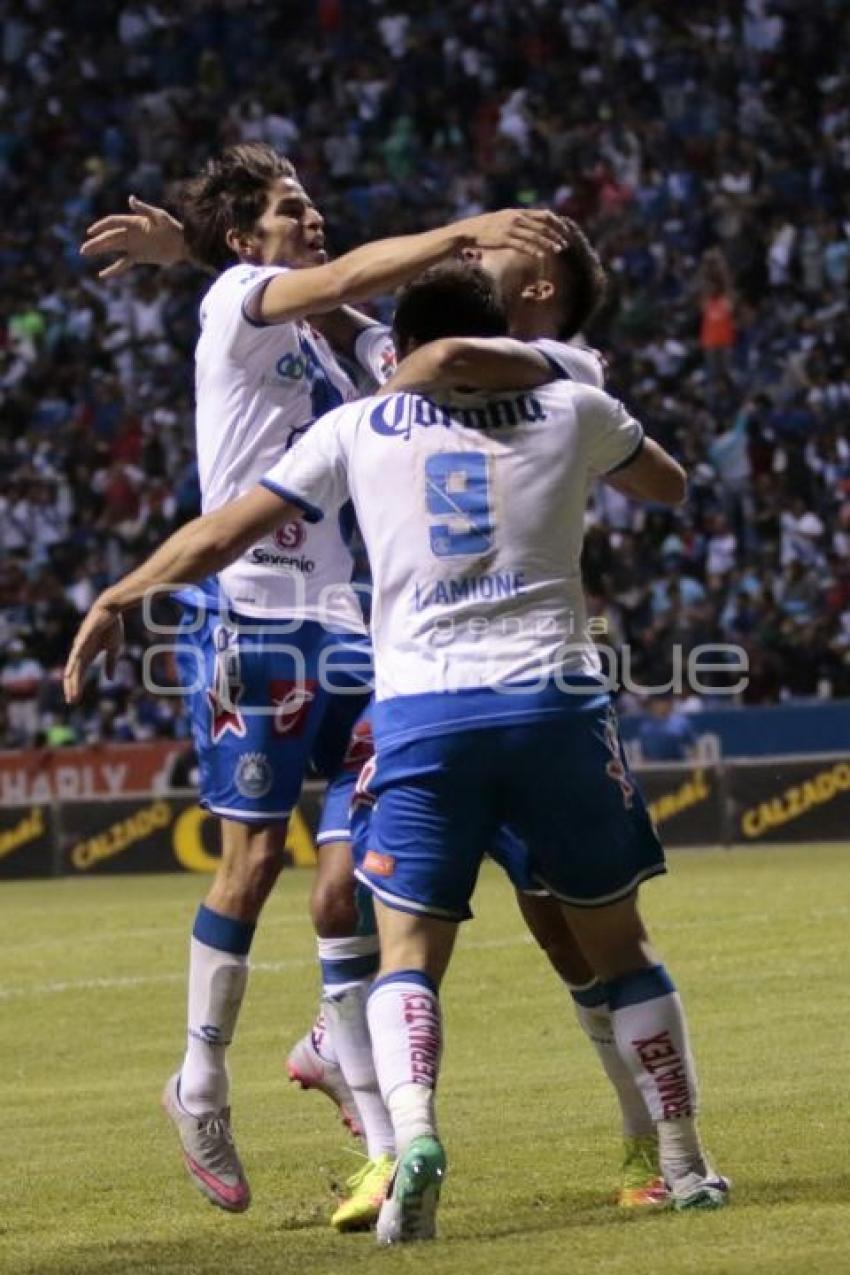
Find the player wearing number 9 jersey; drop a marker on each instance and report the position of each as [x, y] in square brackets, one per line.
[490, 709]
[542, 303]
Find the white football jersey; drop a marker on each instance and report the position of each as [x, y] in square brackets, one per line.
[375, 352]
[472, 513]
[259, 387]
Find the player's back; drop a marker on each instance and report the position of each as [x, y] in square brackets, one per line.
[473, 515]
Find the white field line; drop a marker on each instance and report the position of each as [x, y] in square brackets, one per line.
[145, 932]
[55, 988]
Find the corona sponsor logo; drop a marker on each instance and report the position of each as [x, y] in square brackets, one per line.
[120, 836]
[690, 793]
[26, 830]
[796, 800]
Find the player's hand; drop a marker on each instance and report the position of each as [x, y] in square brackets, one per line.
[148, 236]
[534, 231]
[101, 630]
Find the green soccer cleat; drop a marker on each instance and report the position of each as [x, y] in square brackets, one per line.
[641, 1183]
[368, 1189]
[410, 1210]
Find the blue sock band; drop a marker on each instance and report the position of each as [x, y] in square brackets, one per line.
[223, 932]
[404, 976]
[349, 968]
[640, 985]
[590, 997]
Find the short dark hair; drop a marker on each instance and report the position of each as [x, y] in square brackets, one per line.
[583, 278]
[229, 194]
[454, 299]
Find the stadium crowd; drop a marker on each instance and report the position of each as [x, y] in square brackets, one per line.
[705, 148]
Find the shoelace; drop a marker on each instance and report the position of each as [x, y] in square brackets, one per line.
[216, 1127]
[360, 1174]
[216, 1131]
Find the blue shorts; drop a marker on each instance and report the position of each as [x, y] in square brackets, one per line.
[335, 819]
[264, 703]
[342, 817]
[560, 784]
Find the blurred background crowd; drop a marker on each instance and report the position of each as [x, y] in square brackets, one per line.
[705, 148]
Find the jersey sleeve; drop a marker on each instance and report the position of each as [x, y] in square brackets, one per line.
[314, 473]
[572, 362]
[613, 438]
[375, 352]
[225, 307]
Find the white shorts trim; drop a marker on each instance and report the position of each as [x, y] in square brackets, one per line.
[401, 904]
[334, 834]
[248, 816]
[657, 870]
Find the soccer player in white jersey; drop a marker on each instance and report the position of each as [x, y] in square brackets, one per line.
[264, 647]
[488, 694]
[547, 303]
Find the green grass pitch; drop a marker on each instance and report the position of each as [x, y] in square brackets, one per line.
[91, 1023]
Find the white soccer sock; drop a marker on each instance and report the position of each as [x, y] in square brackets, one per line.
[320, 1039]
[344, 962]
[406, 1028]
[218, 975]
[595, 1021]
[652, 1037]
[348, 1028]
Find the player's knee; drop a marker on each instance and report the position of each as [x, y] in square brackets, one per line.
[253, 859]
[567, 960]
[333, 907]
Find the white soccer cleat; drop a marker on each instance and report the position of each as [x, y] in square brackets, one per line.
[306, 1067]
[700, 1191]
[209, 1152]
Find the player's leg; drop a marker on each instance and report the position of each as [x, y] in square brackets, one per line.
[252, 757]
[578, 762]
[348, 972]
[641, 1185]
[337, 1054]
[405, 1022]
[651, 1035]
[348, 957]
[197, 1097]
[425, 841]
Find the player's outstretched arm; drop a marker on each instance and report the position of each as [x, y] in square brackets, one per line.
[148, 236]
[386, 264]
[199, 549]
[493, 363]
[653, 475]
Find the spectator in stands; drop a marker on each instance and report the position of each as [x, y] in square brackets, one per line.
[704, 148]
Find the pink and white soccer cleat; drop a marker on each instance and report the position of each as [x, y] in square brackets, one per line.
[209, 1152]
[306, 1067]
